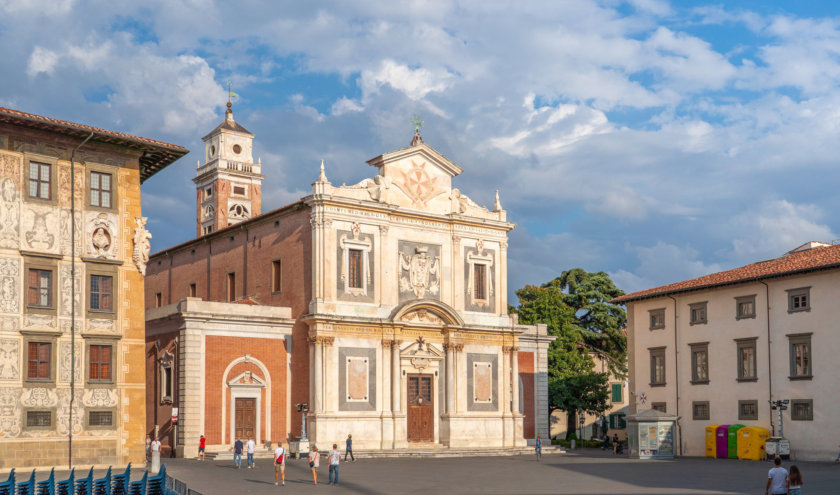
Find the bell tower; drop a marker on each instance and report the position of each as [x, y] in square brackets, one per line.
[228, 183]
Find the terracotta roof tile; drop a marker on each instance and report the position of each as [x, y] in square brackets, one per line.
[818, 258]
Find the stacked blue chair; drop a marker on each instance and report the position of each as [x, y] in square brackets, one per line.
[8, 487]
[47, 487]
[65, 487]
[102, 486]
[156, 484]
[85, 485]
[139, 487]
[27, 487]
[119, 484]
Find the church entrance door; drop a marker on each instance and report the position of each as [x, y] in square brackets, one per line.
[420, 408]
[245, 418]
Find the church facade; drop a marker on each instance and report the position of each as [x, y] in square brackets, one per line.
[382, 305]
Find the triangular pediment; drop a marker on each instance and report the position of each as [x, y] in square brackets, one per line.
[421, 152]
[246, 379]
[421, 350]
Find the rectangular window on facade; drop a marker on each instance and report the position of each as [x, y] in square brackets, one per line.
[100, 189]
[99, 363]
[354, 259]
[657, 319]
[166, 383]
[207, 229]
[40, 175]
[208, 192]
[158, 299]
[480, 281]
[745, 307]
[800, 356]
[700, 410]
[101, 293]
[746, 360]
[802, 409]
[700, 363]
[100, 418]
[38, 419]
[657, 366]
[659, 406]
[617, 390]
[276, 276]
[39, 361]
[799, 299]
[40, 288]
[618, 421]
[193, 290]
[231, 287]
[697, 313]
[239, 190]
[747, 410]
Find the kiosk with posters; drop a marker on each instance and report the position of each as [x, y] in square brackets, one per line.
[650, 435]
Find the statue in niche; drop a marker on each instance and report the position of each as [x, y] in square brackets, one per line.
[142, 247]
[101, 237]
[422, 271]
[39, 237]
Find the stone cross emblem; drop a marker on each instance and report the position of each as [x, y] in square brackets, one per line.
[417, 123]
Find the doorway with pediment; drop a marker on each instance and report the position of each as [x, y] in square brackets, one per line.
[420, 402]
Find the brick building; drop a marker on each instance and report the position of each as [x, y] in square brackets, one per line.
[383, 305]
[71, 347]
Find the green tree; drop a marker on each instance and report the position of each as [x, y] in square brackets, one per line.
[576, 309]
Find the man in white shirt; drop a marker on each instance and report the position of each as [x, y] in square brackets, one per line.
[250, 446]
[280, 463]
[334, 456]
[156, 445]
[777, 479]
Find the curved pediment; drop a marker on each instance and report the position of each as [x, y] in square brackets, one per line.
[426, 311]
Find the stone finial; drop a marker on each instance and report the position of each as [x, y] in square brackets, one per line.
[229, 112]
[417, 139]
[497, 206]
[322, 177]
[259, 161]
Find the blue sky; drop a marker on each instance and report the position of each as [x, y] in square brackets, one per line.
[654, 140]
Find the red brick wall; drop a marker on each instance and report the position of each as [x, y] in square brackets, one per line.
[157, 413]
[526, 373]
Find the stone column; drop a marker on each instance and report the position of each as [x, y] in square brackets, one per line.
[456, 351]
[514, 359]
[190, 378]
[506, 378]
[450, 378]
[386, 375]
[329, 364]
[396, 402]
[317, 400]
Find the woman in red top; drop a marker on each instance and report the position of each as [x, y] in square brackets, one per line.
[201, 442]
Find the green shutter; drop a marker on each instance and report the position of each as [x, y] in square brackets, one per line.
[616, 392]
[612, 421]
[622, 424]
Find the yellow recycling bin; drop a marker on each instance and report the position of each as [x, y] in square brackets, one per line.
[751, 440]
[711, 439]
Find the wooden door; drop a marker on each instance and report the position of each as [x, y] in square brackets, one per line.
[245, 418]
[421, 425]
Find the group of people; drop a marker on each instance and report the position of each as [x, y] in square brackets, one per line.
[780, 481]
[250, 447]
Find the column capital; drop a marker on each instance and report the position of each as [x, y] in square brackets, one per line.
[510, 348]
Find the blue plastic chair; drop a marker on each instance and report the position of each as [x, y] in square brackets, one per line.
[47, 487]
[27, 487]
[119, 483]
[85, 485]
[65, 487]
[156, 485]
[8, 487]
[139, 487]
[102, 486]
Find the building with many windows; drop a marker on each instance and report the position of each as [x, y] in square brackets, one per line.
[382, 305]
[71, 347]
[717, 349]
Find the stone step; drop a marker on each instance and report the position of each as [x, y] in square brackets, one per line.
[428, 451]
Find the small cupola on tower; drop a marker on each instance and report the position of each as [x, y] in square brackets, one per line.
[228, 183]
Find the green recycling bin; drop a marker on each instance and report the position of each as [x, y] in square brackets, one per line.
[733, 440]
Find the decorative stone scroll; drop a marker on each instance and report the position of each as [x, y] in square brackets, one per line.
[9, 359]
[9, 285]
[142, 247]
[9, 214]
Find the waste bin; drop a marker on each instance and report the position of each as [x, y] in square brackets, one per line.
[751, 440]
[722, 442]
[733, 440]
[711, 432]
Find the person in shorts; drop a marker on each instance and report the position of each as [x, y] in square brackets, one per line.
[201, 444]
[777, 479]
[280, 464]
[314, 462]
[794, 484]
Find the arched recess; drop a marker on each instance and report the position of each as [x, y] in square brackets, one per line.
[226, 389]
[442, 311]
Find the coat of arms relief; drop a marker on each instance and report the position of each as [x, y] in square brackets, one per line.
[419, 270]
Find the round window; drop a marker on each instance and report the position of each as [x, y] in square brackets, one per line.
[237, 149]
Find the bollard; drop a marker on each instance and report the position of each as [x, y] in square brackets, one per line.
[573, 444]
[155, 461]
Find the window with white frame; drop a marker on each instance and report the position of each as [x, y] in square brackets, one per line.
[355, 261]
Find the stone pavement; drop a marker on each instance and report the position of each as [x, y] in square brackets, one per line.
[588, 472]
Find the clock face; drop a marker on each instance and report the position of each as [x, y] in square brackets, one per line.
[237, 149]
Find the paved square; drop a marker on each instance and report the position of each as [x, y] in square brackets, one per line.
[591, 472]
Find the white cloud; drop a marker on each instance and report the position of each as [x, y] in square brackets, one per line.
[773, 228]
[415, 83]
[344, 105]
[42, 61]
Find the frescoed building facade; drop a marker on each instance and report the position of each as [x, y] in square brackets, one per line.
[383, 306]
[44, 352]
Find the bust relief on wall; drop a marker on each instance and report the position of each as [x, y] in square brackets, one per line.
[419, 271]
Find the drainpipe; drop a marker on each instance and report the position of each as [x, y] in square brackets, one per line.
[677, 375]
[73, 299]
[769, 354]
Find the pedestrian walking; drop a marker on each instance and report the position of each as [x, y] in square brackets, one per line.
[776, 479]
[237, 453]
[606, 444]
[201, 444]
[334, 456]
[314, 462]
[155, 445]
[250, 447]
[148, 447]
[280, 463]
[794, 481]
[616, 443]
[538, 448]
[348, 448]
